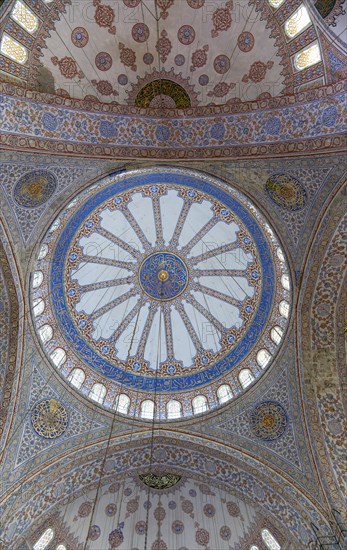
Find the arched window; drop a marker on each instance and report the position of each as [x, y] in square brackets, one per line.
[285, 282]
[276, 3]
[55, 225]
[174, 409]
[263, 358]
[224, 393]
[43, 252]
[280, 254]
[307, 57]
[269, 540]
[246, 377]
[284, 308]
[276, 334]
[122, 403]
[13, 49]
[76, 378]
[46, 333]
[44, 540]
[253, 547]
[98, 393]
[37, 279]
[58, 357]
[147, 409]
[297, 22]
[38, 307]
[61, 547]
[199, 404]
[25, 17]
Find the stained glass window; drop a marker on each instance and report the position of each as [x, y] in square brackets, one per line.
[13, 49]
[25, 17]
[276, 334]
[46, 333]
[276, 3]
[269, 540]
[43, 252]
[199, 404]
[38, 307]
[297, 22]
[44, 540]
[76, 378]
[37, 279]
[285, 282]
[224, 393]
[122, 403]
[246, 378]
[284, 308]
[280, 254]
[147, 409]
[307, 57]
[263, 357]
[174, 409]
[98, 393]
[58, 357]
[55, 225]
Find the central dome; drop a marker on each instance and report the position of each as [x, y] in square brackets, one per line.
[162, 283]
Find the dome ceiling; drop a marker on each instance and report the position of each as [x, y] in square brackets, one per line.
[163, 54]
[164, 283]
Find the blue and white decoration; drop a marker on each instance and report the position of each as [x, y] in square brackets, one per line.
[160, 281]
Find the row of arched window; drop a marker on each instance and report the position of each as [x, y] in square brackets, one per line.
[42, 543]
[293, 26]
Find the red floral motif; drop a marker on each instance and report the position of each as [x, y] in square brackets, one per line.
[159, 513]
[186, 35]
[80, 37]
[104, 16]
[264, 95]
[187, 506]
[163, 46]
[202, 537]
[245, 41]
[221, 64]
[221, 89]
[104, 87]
[127, 57]
[257, 71]
[103, 61]
[159, 545]
[140, 32]
[164, 5]
[68, 67]
[195, 4]
[199, 58]
[233, 509]
[222, 19]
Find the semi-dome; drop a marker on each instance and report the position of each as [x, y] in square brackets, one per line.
[161, 293]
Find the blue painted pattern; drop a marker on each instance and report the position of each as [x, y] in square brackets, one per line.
[132, 379]
[163, 276]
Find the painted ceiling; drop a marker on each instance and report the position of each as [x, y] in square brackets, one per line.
[165, 281]
[228, 109]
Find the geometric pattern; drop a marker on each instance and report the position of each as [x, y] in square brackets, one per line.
[34, 188]
[268, 420]
[49, 418]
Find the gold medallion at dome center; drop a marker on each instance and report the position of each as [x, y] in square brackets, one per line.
[163, 275]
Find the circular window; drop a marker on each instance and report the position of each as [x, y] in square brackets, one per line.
[163, 284]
